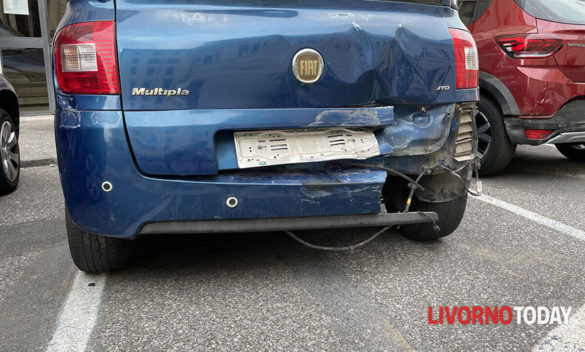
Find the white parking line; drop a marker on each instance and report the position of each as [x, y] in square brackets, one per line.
[80, 311]
[550, 223]
[79, 314]
[569, 337]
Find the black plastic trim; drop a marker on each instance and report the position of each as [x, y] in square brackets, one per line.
[287, 224]
[496, 89]
[570, 118]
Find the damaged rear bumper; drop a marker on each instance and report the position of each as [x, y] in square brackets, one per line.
[93, 148]
[201, 142]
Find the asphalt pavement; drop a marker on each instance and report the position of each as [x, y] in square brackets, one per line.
[266, 292]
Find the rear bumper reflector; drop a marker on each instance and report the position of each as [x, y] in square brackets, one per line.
[538, 134]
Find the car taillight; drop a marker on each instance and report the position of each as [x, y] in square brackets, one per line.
[86, 60]
[466, 59]
[532, 46]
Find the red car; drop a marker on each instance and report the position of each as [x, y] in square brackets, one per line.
[532, 76]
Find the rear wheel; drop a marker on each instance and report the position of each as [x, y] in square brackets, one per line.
[573, 151]
[95, 254]
[494, 149]
[9, 154]
[450, 215]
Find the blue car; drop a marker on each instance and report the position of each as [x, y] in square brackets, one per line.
[9, 148]
[223, 116]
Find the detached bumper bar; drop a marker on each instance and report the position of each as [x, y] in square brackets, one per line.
[290, 224]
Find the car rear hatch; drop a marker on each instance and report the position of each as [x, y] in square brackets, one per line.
[562, 20]
[571, 57]
[194, 72]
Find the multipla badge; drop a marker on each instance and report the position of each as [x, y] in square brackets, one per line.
[160, 92]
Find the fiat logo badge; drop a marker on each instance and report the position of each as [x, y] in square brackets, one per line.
[308, 65]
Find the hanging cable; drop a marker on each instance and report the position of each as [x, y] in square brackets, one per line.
[338, 249]
[388, 170]
[473, 193]
[413, 185]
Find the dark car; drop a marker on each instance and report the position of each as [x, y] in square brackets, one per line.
[9, 150]
[243, 116]
[532, 76]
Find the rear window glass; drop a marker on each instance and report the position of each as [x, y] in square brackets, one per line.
[471, 10]
[564, 11]
[466, 11]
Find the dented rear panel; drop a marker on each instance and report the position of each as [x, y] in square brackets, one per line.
[219, 67]
[238, 54]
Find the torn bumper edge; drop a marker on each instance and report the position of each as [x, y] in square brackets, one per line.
[93, 148]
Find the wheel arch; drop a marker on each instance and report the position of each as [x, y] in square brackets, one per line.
[9, 102]
[500, 94]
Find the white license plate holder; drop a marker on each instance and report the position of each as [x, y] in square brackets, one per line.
[280, 147]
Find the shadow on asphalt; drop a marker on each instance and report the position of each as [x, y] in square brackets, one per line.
[547, 161]
[541, 160]
[174, 253]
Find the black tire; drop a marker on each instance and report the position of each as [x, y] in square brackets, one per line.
[9, 154]
[500, 150]
[450, 216]
[450, 213]
[574, 151]
[93, 253]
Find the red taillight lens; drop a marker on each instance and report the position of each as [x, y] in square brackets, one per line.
[466, 59]
[537, 134]
[86, 60]
[532, 46]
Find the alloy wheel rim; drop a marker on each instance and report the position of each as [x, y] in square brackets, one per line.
[9, 154]
[484, 134]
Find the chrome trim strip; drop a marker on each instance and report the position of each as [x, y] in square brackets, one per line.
[568, 137]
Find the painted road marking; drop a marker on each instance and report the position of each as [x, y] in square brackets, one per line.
[80, 311]
[550, 223]
[569, 337]
[79, 314]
